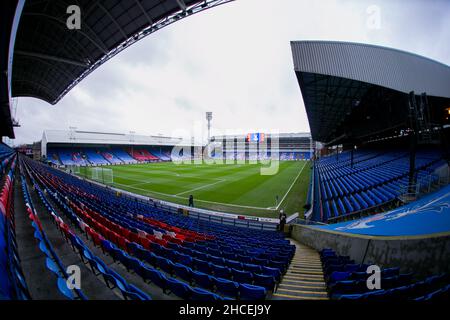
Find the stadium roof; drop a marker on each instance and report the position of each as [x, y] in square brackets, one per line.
[107, 138]
[280, 135]
[50, 59]
[338, 80]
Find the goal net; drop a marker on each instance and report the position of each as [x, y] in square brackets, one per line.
[73, 169]
[102, 175]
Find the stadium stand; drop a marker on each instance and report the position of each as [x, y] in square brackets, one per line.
[53, 157]
[72, 157]
[347, 281]
[95, 157]
[111, 157]
[178, 246]
[12, 280]
[123, 156]
[141, 155]
[162, 154]
[428, 215]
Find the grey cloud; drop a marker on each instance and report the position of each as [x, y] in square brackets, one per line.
[234, 60]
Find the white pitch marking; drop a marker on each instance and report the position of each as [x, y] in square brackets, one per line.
[205, 201]
[201, 187]
[291, 186]
[197, 200]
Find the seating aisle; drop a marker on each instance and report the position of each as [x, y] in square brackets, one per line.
[304, 278]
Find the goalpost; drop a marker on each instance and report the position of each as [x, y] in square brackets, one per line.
[73, 170]
[102, 175]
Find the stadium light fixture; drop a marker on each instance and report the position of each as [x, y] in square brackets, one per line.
[209, 118]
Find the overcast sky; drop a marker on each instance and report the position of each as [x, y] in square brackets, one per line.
[234, 60]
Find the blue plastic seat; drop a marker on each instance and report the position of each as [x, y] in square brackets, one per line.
[251, 292]
[390, 272]
[179, 288]
[166, 265]
[226, 287]
[339, 276]
[274, 272]
[202, 279]
[221, 271]
[107, 246]
[198, 294]
[254, 268]
[202, 266]
[135, 293]
[242, 276]
[265, 281]
[155, 277]
[62, 287]
[234, 264]
[216, 260]
[182, 272]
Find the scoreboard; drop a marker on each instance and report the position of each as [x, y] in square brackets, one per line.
[255, 137]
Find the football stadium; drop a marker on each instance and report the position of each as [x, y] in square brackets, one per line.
[356, 208]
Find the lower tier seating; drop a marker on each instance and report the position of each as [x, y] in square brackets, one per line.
[347, 280]
[187, 257]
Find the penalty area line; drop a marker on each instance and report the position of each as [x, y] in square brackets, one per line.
[292, 184]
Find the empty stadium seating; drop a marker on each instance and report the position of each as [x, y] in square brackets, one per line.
[122, 155]
[161, 153]
[95, 157]
[12, 280]
[111, 157]
[347, 281]
[375, 179]
[71, 157]
[184, 257]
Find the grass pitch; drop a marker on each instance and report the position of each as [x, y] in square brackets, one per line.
[235, 188]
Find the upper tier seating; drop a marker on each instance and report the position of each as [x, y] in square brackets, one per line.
[376, 178]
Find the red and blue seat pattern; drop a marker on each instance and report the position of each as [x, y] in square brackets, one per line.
[347, 280]
[190, 258]
[375, 179]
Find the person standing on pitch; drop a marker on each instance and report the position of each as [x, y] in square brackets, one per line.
[282, 218]
[191, 201]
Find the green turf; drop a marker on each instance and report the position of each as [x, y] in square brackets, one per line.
[236, 188]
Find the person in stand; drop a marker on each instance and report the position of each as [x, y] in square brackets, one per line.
[282, 218]
[191, 201]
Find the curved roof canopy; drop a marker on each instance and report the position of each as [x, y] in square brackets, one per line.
[355, 89]
[50, 59]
